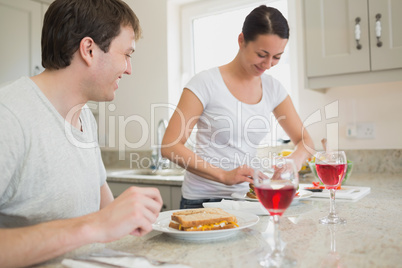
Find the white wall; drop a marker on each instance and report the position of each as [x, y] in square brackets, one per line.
[377, 103]
[380, 104]
[147, 84]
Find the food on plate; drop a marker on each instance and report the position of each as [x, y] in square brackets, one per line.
[202, 219]
[313, 189]
[285, 153]
[318, 187]
[251, 192]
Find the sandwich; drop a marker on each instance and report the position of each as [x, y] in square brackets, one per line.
[251, 192]
[202, 219]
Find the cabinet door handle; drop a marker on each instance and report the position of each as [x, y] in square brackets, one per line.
[378, 29]
[357, 33]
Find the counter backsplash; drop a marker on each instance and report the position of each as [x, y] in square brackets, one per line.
[129, 159]
[371, 161]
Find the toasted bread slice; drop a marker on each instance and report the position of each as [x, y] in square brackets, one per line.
[202, 217]
[209, 227]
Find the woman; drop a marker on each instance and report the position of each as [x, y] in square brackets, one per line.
[231, 106]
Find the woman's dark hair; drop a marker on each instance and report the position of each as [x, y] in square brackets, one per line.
[265, 20]
[67, 22]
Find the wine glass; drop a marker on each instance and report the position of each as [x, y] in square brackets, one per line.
[276, 187]
[331, 168]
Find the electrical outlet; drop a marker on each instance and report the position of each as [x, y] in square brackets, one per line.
[365, 131]
[360, 131]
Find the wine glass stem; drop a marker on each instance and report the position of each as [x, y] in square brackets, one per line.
[277, 238]
[332, 202]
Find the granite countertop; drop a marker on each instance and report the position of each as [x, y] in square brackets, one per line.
[371, 238]
[125, 176]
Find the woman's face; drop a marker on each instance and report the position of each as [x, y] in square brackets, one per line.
[261, 54]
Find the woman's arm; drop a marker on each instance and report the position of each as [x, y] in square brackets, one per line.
[179, 129]
[290, 121]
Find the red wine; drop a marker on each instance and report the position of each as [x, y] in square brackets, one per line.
[276, 201]
[331, 175]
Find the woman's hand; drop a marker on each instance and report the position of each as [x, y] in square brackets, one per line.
[238, 175]
[298, 161]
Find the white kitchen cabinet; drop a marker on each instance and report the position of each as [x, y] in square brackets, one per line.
[171, 195]
[20, 31]
[341, 41]
[175, 193]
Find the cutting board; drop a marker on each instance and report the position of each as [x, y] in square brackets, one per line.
[346, 192]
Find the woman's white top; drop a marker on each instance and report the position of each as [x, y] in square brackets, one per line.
[229, 131]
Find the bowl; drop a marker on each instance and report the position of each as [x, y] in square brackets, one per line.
[347, 175]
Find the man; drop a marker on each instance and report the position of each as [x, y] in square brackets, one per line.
[53, 191]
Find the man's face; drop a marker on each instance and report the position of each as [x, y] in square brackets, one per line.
[109, 67]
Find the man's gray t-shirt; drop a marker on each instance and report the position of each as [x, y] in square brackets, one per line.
[48, 169]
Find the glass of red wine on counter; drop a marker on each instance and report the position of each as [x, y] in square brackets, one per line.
[331, 168]
[276, 185]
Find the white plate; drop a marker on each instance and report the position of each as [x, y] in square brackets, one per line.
[346, 192]
[244, 220]
[303, 194]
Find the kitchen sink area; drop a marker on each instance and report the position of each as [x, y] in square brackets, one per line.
[168, 180]
[144, 173]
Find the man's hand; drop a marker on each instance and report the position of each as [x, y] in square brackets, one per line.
[133, 212]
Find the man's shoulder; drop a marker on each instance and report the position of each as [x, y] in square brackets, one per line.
[17, 100]
[15, 90]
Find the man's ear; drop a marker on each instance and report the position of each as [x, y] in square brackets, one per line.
[87, 47]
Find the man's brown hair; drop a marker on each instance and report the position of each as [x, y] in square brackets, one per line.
[67, 22]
